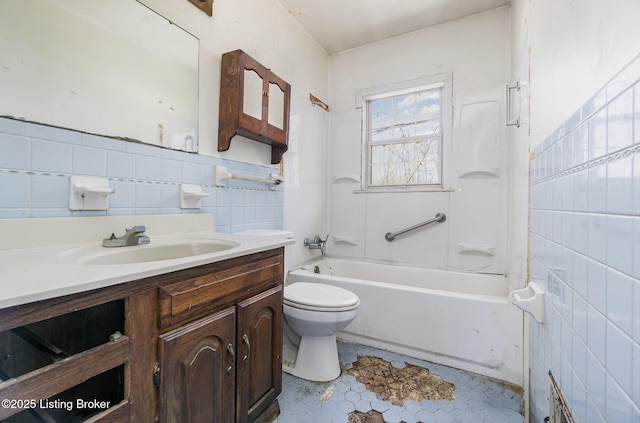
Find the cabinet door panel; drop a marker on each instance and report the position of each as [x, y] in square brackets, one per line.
[259, 343]
[253, 94]
[252, 97]
[278, 112]
[276, 106]
[197, 368]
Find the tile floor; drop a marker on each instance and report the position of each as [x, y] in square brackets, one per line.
[478, 399]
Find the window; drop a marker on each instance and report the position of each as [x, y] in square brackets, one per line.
[403, 136]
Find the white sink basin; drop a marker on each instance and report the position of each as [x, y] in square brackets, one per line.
[150, 252]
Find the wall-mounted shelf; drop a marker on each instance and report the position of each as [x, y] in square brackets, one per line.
[89, 193]
[346, 179]
[530, 299]
[345, 240]
[254, 103]
[477, 249]
[469, 173]
[190, 196]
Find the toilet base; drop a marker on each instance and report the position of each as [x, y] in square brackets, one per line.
[316, 358]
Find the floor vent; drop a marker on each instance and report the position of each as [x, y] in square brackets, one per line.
[558, 409]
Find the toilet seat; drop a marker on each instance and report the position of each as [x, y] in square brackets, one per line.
[319, 297]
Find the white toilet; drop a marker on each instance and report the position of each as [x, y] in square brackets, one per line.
[313, 314]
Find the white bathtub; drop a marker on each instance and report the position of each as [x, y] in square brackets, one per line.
[462, 320]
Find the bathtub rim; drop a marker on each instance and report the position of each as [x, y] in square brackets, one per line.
[297, 271]
[392, 264]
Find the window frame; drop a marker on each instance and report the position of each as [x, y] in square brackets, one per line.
[443, 81]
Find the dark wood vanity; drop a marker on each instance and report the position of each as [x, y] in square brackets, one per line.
[254, 103]
[197, 345]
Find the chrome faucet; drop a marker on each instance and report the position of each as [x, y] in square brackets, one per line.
[316, 243]
[133, 236]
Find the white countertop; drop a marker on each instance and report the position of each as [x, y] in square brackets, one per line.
[35, 273]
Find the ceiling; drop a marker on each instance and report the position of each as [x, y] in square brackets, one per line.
[339, 25]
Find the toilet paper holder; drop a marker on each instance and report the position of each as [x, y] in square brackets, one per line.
[530, 299]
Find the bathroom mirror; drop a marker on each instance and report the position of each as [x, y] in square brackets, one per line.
[113, 68]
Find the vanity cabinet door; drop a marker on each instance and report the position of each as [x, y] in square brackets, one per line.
[259, 377]
[197, 371]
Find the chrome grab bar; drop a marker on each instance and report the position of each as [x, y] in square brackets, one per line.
[440, 217]
[509, 121]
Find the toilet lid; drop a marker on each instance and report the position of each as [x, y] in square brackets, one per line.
[319, 296]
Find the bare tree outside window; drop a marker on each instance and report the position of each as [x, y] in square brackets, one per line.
[404, 139]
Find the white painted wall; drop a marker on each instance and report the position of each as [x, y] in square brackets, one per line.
[576, 47]
[476, 50]
[268, 33]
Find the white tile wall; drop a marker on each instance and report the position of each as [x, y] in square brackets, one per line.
[585, 248]
[37, 160]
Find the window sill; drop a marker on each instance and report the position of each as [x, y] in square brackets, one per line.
[402, 190]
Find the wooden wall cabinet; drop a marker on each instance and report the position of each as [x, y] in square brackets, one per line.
[205, 5]
[197, 345]
[254, 103]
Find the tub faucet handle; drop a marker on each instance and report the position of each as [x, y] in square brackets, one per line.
[316, 243]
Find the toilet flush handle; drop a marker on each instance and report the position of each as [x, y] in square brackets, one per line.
[245, 339]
